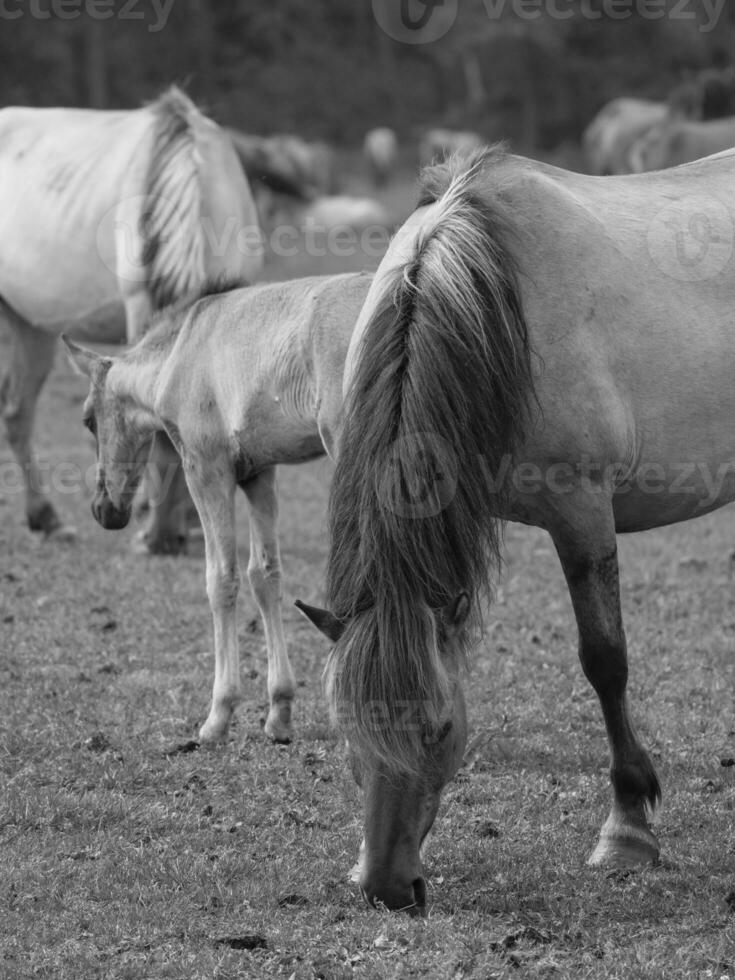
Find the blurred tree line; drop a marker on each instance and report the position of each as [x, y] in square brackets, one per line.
[324, 68]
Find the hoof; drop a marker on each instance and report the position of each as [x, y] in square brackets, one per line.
[143, 545]
[633, 848]
[44, 518]
[212, 733]
[278, 724]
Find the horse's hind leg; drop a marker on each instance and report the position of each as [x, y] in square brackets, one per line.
[586, 544]
[32, 358]
[264, 572]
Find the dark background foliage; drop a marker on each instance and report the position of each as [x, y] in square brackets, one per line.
[324, 68]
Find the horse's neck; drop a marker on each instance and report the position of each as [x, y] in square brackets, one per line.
[140, 378]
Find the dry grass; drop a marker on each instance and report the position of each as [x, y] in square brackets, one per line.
[120, 861]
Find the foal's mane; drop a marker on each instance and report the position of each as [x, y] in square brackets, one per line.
[174, 251]
[440, 392]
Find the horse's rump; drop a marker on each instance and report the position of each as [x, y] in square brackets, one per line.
[97, 207]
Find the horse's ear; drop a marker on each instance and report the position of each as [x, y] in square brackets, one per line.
[82, 359]
[326, 622]
[457, 612]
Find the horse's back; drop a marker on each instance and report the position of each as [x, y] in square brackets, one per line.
[260, 365]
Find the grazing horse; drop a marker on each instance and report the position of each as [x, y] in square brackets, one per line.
[124, 212]
[608, 139]
[539, 346]
[676, 141]
[240, 382]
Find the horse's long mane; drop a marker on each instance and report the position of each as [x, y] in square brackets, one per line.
[439, 396]
[175, 242]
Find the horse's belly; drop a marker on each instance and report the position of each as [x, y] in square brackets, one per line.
[659, 495]
[58, 231]
[51, 280]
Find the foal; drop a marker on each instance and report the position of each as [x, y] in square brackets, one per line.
[240, 381]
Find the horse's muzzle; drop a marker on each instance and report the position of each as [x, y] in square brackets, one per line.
[111, 518]
[407, 897]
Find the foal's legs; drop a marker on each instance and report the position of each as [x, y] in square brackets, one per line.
[264, 571]
[212, 487]
[585, 540]
[32, 358]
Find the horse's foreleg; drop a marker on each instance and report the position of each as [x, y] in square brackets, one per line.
[164, 489]
[588, 553]
[264, 572]
[31, 361]
[212, 487]
[138, 312]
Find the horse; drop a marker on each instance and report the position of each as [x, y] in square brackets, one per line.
[240, 381]
[380, 148]
[313, 161]
[614, 130]
[709, 95]
[676, 141]
[537, 346]
[124, 211]
[265, 165]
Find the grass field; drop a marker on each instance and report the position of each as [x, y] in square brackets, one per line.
[119, 859]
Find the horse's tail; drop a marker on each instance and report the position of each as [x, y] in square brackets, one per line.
[175, 242]
[435, 410]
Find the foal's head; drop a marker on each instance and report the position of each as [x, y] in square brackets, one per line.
[123, 432]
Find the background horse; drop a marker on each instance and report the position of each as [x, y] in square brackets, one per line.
[676, 141]
[608, 139]
[240, 382]
[103, 213]
[534, 347]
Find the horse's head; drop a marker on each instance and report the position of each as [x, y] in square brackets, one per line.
[401, 801]
[123, 432]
